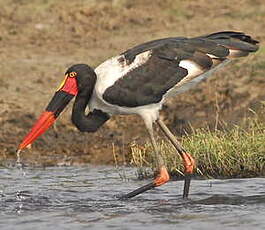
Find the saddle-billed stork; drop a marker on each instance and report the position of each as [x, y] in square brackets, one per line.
[138, 81]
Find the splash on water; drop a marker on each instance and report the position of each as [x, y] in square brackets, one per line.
[83, 197]
[18, 162]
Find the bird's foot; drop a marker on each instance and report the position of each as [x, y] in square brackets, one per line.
[188, 162]
[189, 166]
[162, 178]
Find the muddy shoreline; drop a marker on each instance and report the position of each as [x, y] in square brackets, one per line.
[40, 39]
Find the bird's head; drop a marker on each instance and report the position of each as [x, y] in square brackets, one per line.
[77, 79]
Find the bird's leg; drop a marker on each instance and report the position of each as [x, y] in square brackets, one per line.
[163, 175]
[188, 161]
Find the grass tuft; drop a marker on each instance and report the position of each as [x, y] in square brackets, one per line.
[235, 152]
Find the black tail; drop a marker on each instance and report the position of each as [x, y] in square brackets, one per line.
[239, 44]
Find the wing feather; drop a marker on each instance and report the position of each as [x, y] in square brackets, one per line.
[174, 65]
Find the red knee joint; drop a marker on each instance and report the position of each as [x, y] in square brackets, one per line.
[188, 162]
[162, 178]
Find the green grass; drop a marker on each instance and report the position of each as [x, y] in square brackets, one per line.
[235, 152]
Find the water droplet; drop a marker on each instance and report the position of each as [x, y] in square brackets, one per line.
[18, 162]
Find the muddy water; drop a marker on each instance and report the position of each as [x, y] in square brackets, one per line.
[84, 198]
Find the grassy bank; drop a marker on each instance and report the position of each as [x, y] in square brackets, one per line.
[233, 152]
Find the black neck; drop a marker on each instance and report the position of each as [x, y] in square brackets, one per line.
[92, 121]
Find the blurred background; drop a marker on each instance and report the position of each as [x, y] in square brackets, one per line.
[40, 39]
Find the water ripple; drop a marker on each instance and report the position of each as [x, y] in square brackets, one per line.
[82, 197]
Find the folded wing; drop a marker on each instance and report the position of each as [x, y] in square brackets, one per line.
[175, 65]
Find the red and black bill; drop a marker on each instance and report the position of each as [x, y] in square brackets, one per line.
[61, 98]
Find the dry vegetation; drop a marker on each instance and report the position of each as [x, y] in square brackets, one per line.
[41, 38]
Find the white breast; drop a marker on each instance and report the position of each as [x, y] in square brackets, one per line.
[112, 70]
[107, 74]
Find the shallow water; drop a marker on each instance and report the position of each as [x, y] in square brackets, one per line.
[84, 197]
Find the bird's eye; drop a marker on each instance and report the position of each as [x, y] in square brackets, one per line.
[72, 74]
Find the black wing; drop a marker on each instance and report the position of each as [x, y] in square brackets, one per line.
[149, 82]
[145, 84]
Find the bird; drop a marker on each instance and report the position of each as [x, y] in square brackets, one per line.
[139, 81]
